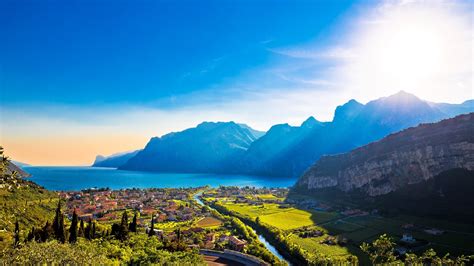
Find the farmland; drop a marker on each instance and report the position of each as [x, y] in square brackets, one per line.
[209, 222]
[348, 227]
[273, 213]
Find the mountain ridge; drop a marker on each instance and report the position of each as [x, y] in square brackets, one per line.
[410, 156]
[286, 150]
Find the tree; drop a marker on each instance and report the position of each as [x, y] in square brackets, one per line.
[124, 226]
[73, 228]
[133, 224]
[381, 250]
[178, 234]
[58, 224]
[81, 229]
[87, 232]
[152, 228]
[17, 234]
[93, 232]
[47, 232]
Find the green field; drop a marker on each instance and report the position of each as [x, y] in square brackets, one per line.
[313, 245]
[288, 219]
[254, 211]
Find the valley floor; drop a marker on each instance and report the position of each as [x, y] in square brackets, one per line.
[323, 232]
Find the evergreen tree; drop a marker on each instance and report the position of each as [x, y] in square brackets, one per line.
[73, 228]
[88, 230]
[133, 224]
[62, 230]
[93, 232]
[47, 232]
[81, 229]
[31, 234]
[152, 228]
[58, 224]
[17, 234]
[178, 234]
[123, 231]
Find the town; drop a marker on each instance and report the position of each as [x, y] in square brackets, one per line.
[173, 212]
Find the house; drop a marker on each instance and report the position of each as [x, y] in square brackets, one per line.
[157, 232]
[407, 238]
[85, 217]
[237, 244]
[211, 237]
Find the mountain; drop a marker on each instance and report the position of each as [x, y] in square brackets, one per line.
[20, 164]
[256, 133]
[453, 109]
[414, 155]
[209, 147]
[289, 151]
[114, 160]
[11, 166]
[259, 157]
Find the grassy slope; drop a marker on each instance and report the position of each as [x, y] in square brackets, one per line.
[30, 204]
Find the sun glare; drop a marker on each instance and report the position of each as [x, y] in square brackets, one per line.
[424, 49]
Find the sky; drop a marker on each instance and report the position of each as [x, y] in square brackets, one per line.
[81, 78]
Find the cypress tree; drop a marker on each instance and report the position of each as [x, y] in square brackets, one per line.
[31, 234]
[133, 224]
[88, 230]
[123, 231]
[58, 224]
[17, 234]
[46, 232]
[57, 219]
[81, 229]
[93, 232]
[152, 228]
[62, 230]
[178, 234]
[73, 228]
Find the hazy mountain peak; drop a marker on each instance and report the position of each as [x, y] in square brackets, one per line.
[99, 158]
[310, 122]
[347, 111]
[401, 97]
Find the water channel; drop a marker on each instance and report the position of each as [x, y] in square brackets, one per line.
[262, 239]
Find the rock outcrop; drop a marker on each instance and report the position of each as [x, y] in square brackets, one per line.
[411, 156]
[114, 160]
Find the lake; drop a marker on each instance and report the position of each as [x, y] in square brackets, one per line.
[77, 178]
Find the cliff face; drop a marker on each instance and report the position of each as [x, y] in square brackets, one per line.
[411, 156]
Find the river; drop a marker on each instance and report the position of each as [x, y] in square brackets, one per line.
[262, 239]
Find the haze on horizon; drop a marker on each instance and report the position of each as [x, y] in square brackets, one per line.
[87, 77]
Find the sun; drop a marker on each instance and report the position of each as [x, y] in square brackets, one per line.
[424, 48]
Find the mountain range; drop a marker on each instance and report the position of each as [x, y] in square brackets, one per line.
[284, 150]
[410, 156]
[428, 169]
[209, 147]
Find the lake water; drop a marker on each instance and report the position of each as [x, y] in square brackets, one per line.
[77, 178]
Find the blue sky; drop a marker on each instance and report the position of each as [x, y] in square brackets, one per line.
[80, 78]
[83, 52]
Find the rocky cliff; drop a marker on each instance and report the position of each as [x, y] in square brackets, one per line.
[411, 156]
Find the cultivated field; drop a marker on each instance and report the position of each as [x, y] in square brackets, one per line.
[209, 222]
